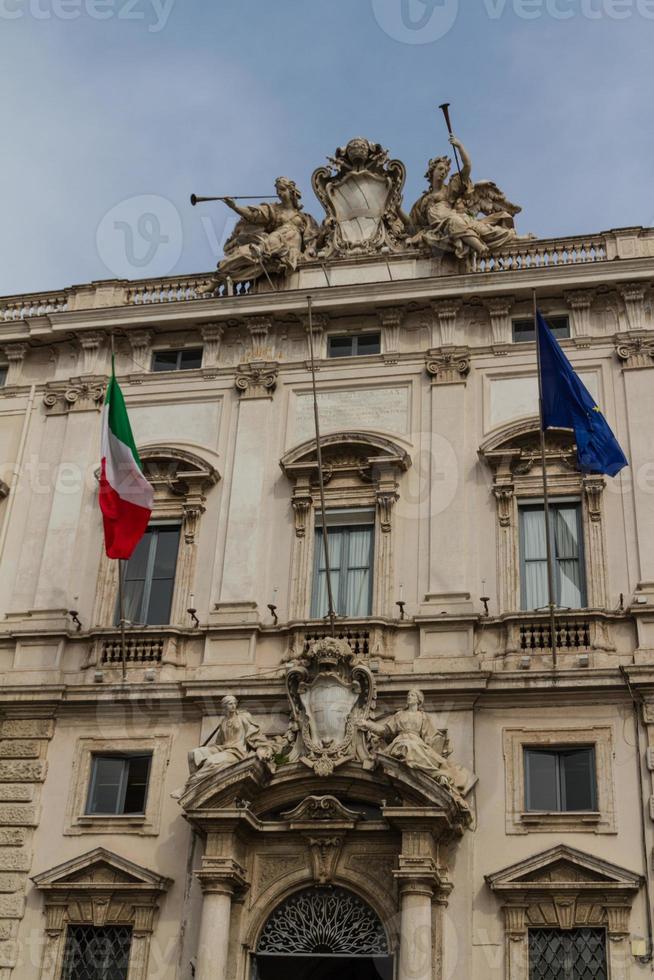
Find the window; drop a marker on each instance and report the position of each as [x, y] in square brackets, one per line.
[119, 784]
[567, 553]
[560, 780]
[350, 538]
[97, 953]
[570, 954]
[150, 577]
[3, 375]
[523, 330]
[354, 345]
[177, 360]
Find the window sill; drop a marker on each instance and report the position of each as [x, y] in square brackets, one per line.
[571, 821]
[561, 816]
[123, 818]
[137, 823]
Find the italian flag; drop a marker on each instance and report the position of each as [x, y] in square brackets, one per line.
[125, 494]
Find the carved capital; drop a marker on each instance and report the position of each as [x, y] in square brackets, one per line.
[257, 379]
[324, 852]
[635, 352]
[259, 328]
[140, 341]
[90, 343]
[79, 395]
[593, 487]
[445, 313]
[192, 514]
[55, 917]
[504, 495]
[633, 294]
[212, 335]
[579, 301]
[617, 920]
[222, 876]
[15, 354]
[499, 310]
[515, 922]
[390, 320]
[565, 908]
[448, 365]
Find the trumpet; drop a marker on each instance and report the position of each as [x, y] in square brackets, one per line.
[234, 197]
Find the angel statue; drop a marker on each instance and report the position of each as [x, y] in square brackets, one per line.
[412, 739]
[269, 238]
[461, 216]
[237, 737]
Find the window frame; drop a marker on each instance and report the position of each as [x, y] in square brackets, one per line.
[344, 520]
[555, 329]
[68, 963]
[538, 504]
[560, 752]
[179, 352]
[144, 605]
[355, 339]
[126, 758]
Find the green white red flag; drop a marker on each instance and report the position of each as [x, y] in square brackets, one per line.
[125, 494]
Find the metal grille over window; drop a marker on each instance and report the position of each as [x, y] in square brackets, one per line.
[94, 953]
[577, 954]
[327, 921]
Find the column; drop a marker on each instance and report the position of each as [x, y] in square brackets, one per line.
[416, 940]
[213, 944]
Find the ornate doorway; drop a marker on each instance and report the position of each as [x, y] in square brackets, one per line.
[323, 934]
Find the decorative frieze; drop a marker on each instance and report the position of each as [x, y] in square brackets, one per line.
[635, 352]
[257, 379]
[499, 310]
[79, 395]
[448, 365]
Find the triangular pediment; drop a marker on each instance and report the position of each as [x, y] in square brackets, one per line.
[563, 866]
[100, 868]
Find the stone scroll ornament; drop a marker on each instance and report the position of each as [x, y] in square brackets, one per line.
[460, 216]
[331, 694]
[361, 191]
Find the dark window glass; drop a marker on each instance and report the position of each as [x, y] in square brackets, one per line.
[150, 577]
[567, 551]
[560, 780]
[3, 375]
[523, 330]
[350, 561]
[354, 345]
[570, 954]
[97, 953]
[184, 359]
[119, 784]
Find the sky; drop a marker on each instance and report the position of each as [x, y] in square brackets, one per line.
[114, 111]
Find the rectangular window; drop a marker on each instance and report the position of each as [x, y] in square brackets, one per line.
[570, 954]
[350, 537]
[560, 780]
[523, 330]
[567, 554]
[97, 953]
[177, 360]
[119, 784]
[149, 577]
[354, 345]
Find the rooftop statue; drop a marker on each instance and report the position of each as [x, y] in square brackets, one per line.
[361, 191]
[411, 738]
[268, 240]
[461, 216]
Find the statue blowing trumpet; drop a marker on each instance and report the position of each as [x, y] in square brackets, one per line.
[233, 197]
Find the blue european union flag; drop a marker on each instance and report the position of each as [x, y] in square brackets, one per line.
[567, 404]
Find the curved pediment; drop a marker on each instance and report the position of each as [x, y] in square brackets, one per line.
[346, 452]
[516, 448]
[178, 469]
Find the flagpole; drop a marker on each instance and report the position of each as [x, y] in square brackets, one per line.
[546, 502]
[121, 607]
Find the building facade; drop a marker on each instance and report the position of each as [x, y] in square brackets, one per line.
[511, 834]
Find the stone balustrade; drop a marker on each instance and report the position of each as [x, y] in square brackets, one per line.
[545, 254]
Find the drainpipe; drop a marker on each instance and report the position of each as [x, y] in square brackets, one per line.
[637, 703]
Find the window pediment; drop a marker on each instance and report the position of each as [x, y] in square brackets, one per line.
[346, 454]
[515, 451]
[100, 869]
[177, 471]
[560, 866]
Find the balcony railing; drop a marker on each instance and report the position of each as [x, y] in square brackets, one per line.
[142, 648]
[544, 254]
[20, 307]
[569, 635]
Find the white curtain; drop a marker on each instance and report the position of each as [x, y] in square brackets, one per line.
[566, 546]
[534, 559]
[320, 604]
[349, 560]
[564, 520]
[357, 583]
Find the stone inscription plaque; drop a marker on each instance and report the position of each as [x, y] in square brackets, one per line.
[380, 409]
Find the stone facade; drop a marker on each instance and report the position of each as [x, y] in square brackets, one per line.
[435, 437]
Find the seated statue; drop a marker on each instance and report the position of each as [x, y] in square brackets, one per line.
[237, 737]
[412, 739]
[269, 238]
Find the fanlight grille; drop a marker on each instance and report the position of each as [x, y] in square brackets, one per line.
[327, 921]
